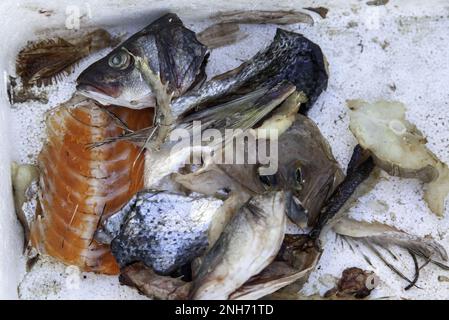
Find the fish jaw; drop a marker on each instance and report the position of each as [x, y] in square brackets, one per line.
[146, 101]
[248, 244]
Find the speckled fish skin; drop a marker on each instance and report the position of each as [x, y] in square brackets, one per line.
[164, 230]
[172, 51]
[290, 57]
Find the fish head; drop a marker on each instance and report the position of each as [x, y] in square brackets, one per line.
[115, 80]
[172, 52]
[307, 170]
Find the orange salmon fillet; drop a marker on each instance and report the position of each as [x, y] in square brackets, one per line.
[80, 185]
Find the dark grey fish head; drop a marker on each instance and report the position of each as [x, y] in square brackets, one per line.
[307, 170]
[172, 51]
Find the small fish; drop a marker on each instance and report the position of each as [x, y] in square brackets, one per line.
[307, 170]
[290, 270]
[41, 62]
[248, 244]
[290, 58]
[162, 229]
[172, 51]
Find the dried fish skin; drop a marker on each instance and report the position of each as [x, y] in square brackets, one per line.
[281, 17]
[153, 285]
[221, 35]
[42, 62]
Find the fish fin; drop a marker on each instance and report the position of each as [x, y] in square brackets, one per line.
[385, 235]
[109, 228]
[41, 62]
[376, 234]
[242, 113]
[356, 183]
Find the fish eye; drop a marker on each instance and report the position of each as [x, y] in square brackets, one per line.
[268, 181]
[298, 177]
[120, 60]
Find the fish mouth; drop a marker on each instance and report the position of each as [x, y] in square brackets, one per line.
[295, 210]
[112, 91]
[102, 97]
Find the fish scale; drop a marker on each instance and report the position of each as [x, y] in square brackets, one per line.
[162, 229]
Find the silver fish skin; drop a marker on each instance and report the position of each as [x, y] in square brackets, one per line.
[161, 229]
[290, 57]
[172, 51]
[247, 245]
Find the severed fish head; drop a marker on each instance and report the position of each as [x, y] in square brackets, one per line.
[307, 170]
[172, 52]
[161, 229]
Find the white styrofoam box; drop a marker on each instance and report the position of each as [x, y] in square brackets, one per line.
[398, 52]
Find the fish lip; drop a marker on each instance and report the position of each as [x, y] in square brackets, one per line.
[87, 87]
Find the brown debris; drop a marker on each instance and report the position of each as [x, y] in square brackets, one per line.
[281, 17]
[45, 12]
[354, 283]
[322, 11]
[152, 285]
[377, 2]
[221, 35]
[40, 62]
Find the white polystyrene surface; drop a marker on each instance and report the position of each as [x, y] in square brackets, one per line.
[398, 52]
